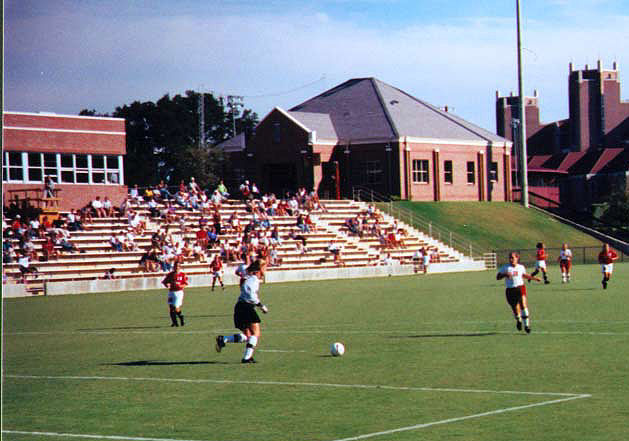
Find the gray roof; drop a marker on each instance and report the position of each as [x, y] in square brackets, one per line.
[234, 144]
[366, 108]
[321, 122]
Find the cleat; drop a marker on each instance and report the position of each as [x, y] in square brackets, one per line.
[251, 360]
[527, 329]
[546, 282]
[518, 325]
[173, 325]
[220, 343]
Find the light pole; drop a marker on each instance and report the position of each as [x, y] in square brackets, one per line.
[388, 150]
[521, 107]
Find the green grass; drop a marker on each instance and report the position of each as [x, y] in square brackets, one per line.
[110, 365]
[492, 225]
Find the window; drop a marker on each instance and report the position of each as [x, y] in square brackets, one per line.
[98, 169]
[373, 172]
[276, 133]
[35, 173]
[447, 172]
[112, 169]
[420, 171]
[81, 169]
[471, 173]
[493, 172]
[67, 169]
[14, 166]
[63, 168]
[50, 166]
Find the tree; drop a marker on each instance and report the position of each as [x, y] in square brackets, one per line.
[163, 138]
[617, 212]
[202, 163]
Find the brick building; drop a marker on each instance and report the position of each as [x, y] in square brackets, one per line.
[598, 117]
[84, 155]
[367, 133]
[580, 160]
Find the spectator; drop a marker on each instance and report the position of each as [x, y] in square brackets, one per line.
[194, 187]
[49, 187]
[274, 259]
[301, 224]
[128, 243]
[335, 249]
[301, 241]
[199, 253]
[163, 190]
[109, 274]
[108, 207]
[73, 221]
[48, 250]
[222, 190]
[97, 206]
[134, 194]
[116, 242]
[149, 260]
[153, 208]
[8, 251]
[26, 267]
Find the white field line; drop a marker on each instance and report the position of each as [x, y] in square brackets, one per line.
[290, 383]
[76, 435]
[463, 418]
[565, 397]
[315, 332]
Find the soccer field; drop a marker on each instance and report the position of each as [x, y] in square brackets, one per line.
[432, 357]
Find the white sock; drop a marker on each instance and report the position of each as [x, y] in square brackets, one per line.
[525, 316]
[250, 347]
[236, 338]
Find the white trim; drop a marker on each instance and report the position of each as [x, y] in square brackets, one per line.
[293, 119]
[42, 129]
[61, 115]
[466, 142]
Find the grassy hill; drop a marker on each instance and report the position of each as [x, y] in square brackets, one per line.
[499, 225]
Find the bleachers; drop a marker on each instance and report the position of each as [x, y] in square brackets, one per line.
[96, 254]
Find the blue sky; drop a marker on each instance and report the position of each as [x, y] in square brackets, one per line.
[65, 55]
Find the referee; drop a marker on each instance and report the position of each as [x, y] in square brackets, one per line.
[246, 318]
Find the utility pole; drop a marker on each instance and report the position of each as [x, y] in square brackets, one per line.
[522, 131]
[201, 112]
[233, 102]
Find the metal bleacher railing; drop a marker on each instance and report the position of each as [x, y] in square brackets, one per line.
[443, 235]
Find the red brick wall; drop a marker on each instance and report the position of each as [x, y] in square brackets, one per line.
[459, 189]
[75, 140]
[72, 195]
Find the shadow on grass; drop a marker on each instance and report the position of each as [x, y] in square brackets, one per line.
[461, 334]
[162, 363]
[119, 328]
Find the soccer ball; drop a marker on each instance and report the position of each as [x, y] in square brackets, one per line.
[337, 349]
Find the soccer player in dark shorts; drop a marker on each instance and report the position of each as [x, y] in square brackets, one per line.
[246, 318]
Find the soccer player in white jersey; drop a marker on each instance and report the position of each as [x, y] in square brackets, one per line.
[246, 318]
[514, 274]
[565, 262]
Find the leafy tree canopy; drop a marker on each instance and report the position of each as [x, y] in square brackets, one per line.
[163, 138]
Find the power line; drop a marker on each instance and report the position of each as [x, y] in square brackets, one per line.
[286, 92]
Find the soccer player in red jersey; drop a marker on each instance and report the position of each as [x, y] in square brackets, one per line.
[606, 258]
[175, 281]
[540, 262]
[216, 266]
